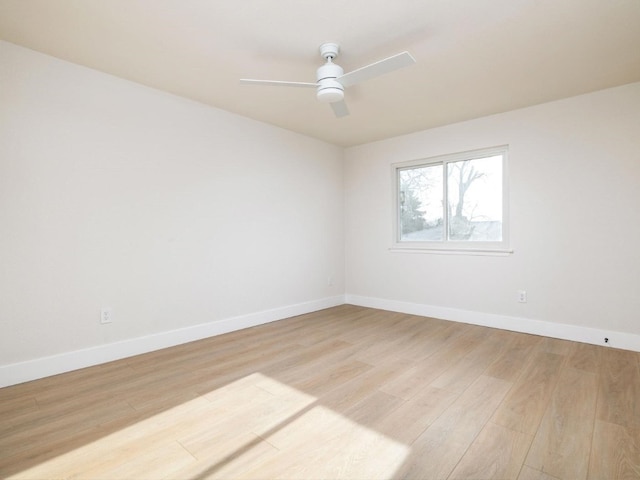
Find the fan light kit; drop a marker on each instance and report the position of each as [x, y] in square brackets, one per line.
[331, 79]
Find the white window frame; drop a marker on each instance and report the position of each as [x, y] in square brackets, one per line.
[448, 246]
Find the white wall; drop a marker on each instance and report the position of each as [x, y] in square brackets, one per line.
[172, 213]
[574, 179]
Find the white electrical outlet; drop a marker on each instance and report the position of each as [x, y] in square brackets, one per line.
[106, 316]
[522, 296]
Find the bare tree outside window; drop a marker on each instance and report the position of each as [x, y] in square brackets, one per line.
[475, 199]
[421, 206]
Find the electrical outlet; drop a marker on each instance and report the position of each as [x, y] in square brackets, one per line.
[522, 296]
[106, 315]
[330, 280]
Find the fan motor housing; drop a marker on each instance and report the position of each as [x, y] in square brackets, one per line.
[329, 89]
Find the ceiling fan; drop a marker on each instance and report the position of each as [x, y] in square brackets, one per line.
[331, 79]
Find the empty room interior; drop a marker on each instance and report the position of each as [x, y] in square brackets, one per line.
[320, 240]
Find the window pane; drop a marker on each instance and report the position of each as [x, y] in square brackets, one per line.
[474, 190]
[421, 204]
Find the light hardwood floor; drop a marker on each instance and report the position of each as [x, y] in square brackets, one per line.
[347, 392]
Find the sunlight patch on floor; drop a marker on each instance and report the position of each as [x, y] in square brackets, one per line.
[255, 427]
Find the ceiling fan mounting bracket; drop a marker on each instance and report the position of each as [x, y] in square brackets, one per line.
[329, 51]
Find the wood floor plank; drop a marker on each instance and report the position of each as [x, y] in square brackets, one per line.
[330, 377]
[497, 452]
[44, 460]
[225, 464]
[413, 379]
[373, 409]
[411, 418]
[528, 473]
[437, 451]
[586, 357]
[322, 444]
[619, 388]
[615, 452]
[309, 355]
[526, 403]
[518, 348]
[463, 373]
[349, 394]
[17, 406]
[152, 462]
[563, 441]
[558, 346]
[366, 329]
[45, 429]
[407, 338]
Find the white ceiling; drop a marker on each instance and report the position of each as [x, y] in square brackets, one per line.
[474, 57]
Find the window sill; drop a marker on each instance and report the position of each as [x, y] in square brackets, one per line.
[491, 252]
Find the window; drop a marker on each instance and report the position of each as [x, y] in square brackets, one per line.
[454, 202]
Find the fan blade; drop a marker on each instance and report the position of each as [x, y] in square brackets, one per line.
[376, 69]
[340, 109]
[276, 83]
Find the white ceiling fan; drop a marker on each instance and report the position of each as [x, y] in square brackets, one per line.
[331, 79]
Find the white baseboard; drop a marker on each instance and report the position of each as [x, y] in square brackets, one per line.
[594, 336]
[15, 373]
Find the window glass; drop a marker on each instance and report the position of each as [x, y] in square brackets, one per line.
[474, 190]
[454, 201]
[421, 207]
